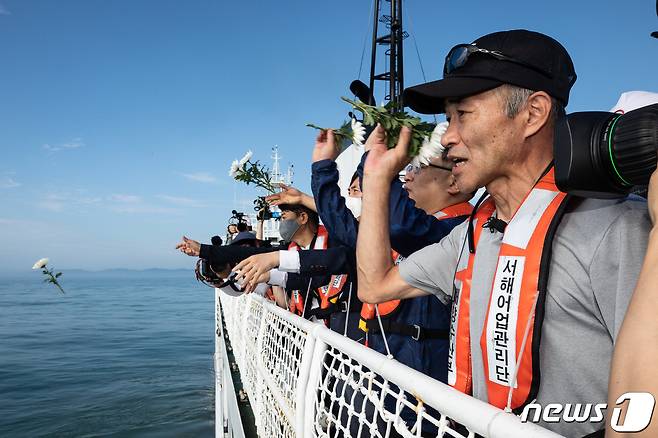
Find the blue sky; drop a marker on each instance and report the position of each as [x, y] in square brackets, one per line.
[120, 118]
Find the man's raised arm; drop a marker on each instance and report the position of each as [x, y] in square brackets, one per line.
[379, 278]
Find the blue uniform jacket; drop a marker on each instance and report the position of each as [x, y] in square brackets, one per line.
[410, 229]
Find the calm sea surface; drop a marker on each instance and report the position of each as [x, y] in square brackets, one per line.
[120, 355]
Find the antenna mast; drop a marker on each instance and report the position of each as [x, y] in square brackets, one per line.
[276, 173]
[392, 41]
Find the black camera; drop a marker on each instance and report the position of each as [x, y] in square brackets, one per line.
[206, 274]
[237, 217]
[605, 155]
[262, 209]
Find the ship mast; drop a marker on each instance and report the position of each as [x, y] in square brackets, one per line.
[275, 173]
[391, 41]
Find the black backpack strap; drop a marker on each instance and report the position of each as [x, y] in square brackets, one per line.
[414, 331]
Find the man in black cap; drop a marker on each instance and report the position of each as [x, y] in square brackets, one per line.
[539, 280]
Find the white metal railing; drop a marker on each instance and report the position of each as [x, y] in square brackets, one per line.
[304, 380]
[227, 413]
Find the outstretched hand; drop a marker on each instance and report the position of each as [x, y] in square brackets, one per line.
[384, 162]
[256, 269]
[189, 247]
[287, 195]
[325, 146]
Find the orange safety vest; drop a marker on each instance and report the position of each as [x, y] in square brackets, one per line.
[388, 307]
[510, 329]
[329, 293]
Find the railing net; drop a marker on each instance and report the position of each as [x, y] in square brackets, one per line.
[305, 381]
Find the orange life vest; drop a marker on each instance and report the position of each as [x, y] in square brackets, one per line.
[388, 307]
[269, 294]
[328, 294]
[510, 330]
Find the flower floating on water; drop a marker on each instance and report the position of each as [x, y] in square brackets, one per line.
[392, 122]
[251, 172]
[51, 277]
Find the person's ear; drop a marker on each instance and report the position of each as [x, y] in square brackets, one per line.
[537, 112]
[453, 189]
[303, 218]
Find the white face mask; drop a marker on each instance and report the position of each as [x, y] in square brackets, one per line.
[354, 205]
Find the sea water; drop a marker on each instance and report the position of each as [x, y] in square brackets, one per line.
[121, 354]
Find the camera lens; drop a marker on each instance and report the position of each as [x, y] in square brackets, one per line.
[601, 154]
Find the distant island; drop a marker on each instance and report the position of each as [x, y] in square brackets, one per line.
[127, 271]
[114, 272]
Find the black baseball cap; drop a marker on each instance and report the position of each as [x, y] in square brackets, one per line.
[528, 59]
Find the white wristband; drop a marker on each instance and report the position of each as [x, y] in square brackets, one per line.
[289, 261]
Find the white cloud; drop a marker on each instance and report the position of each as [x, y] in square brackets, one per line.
[126, 199]
[52, 204]
[7, 182]
[58, 202]
[203, 177]
[183, 202]
[143, 208]
[73, 144]
[122, 203]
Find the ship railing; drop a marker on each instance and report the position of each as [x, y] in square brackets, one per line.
[304, 380]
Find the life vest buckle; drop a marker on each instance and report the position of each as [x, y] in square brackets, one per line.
[417, 335]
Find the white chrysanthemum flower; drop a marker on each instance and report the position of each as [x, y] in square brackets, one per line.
[41, 263]
[235, 166]
[358, 132]
[244, 159]
[431, 147]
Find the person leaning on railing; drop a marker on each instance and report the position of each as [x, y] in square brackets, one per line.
[327, 291]
[223, 258]
[512, 323]
[431, 205]
[339, 261]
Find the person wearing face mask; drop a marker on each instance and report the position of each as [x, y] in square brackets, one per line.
[324, 296]
[422, 211]
[339, 303]
[299, 226]
[431, 205]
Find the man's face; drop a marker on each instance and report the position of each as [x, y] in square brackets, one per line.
[426, 182]
[483, 143]
[300, 218]
[354, 190]
[288, 214]
[232, 229]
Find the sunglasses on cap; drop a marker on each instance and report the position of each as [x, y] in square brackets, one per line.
[458, 56]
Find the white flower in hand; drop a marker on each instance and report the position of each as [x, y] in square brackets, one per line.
[41, 263]
[235, 167]
[439, 130]
[358, 132]
[432, 146]
[244, 159]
